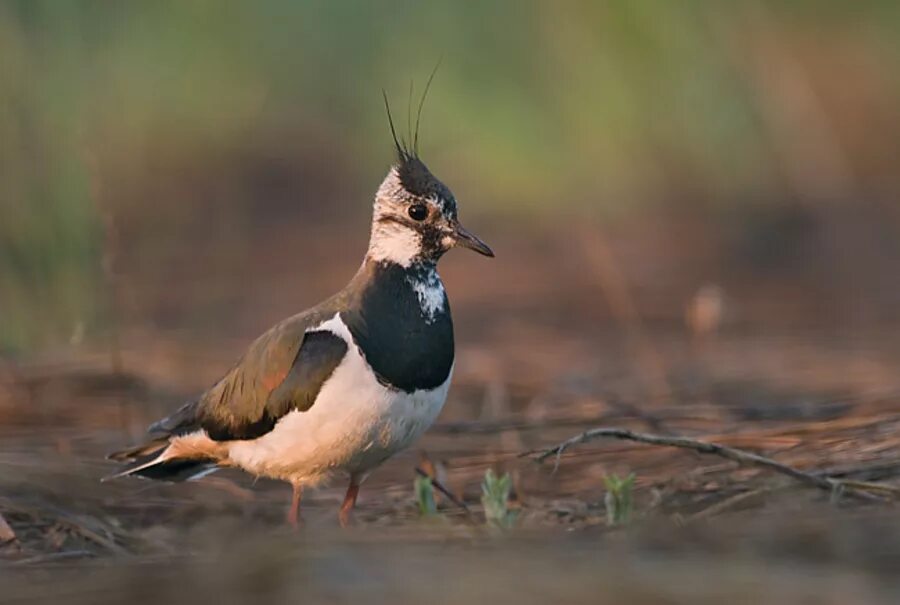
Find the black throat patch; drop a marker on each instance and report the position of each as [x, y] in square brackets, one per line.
[407, 348]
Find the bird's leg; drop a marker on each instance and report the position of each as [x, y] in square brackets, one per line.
[293, 515]
[349, 502]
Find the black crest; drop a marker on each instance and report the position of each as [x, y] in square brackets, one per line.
[414, 174]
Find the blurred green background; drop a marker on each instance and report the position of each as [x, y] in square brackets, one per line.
[136, 134]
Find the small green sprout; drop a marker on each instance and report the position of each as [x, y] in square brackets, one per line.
[495, 500]
[425, 496]
[619, 503]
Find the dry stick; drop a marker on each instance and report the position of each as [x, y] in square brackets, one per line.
[871, 486]
[706, 447]
[727, 503]
[66, 521]
[56, 556]
[92, 535]
[879, 466]
[437, 485]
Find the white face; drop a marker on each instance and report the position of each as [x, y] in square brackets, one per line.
[406, 227]
[394, 243]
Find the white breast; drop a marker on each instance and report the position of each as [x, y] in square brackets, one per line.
[355, 424]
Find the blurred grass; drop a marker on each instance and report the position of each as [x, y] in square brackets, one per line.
[110, 111]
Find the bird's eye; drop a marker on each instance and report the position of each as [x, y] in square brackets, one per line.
[418, 212]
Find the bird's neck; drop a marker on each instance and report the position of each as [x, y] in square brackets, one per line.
[400, 319]
[419, 280]
[418, 269]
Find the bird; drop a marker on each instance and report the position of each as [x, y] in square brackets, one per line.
[340, 387]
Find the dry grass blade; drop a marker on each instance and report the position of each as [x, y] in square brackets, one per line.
[857, 488]
[94, 536]
[893, 490]
[729, 503]
[70, 523]
[53, 557]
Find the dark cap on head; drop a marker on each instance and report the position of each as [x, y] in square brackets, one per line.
[418, 180]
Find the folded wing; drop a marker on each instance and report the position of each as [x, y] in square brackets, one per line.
[282, 371]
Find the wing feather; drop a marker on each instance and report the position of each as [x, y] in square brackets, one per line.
[281, 372]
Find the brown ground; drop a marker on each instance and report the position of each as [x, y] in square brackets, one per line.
[550, 343]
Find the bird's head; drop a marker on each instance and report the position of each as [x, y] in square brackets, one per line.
[415, 217]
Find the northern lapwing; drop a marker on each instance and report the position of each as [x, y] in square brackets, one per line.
[340, 387]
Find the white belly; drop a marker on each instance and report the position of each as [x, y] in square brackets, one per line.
[355, 424]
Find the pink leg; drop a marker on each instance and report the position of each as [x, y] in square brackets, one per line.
[293, 515]
[349, 502]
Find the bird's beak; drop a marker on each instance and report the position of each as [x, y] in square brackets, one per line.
[467, 239]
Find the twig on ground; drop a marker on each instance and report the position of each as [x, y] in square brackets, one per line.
[878, 468]
[80, 528]
[68, 522]
[858, 488]
[723, 505]
[870, 486]
[438, 486]
[56, 556]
